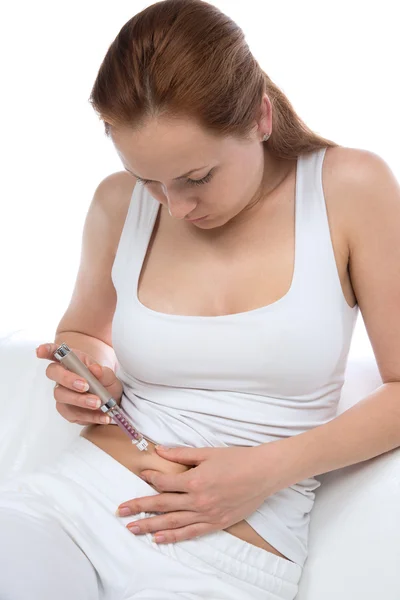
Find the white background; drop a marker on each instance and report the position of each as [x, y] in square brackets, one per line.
[337, 62]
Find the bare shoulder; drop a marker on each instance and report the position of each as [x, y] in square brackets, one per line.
[349, 177]
[352, 165]
[102, 230]
[113, 194]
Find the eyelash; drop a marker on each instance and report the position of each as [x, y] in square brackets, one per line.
[195, 182]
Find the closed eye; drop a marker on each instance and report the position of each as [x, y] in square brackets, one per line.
[205, 179]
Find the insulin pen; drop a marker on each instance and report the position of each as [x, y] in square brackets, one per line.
[108, 405]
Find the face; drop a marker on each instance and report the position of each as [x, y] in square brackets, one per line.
[191, 172]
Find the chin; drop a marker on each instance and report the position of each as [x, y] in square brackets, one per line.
[210, 224]
[206, 224]
[203, 224]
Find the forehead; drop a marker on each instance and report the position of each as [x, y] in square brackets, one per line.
[164, 148]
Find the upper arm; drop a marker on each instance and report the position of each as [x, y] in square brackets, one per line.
[92, 305]
[374, 264]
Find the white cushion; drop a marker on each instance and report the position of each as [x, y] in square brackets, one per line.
[354, 542]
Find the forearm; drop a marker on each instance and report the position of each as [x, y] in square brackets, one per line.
[101, 351]
[369, 428]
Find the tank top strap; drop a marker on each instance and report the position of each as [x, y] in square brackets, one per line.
[309, 192]
[314, 248]
[134, 239]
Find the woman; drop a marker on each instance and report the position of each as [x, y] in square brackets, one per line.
[215, 301]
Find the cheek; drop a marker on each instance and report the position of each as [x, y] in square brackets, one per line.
[230, 192]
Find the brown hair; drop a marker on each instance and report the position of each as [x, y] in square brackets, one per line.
[185, 58]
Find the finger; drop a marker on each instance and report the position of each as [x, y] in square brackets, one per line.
[56, 371]
[47, 351]
[172, 520]
[81, 416]
[104, 374]
[184, 455]
[183, 533]
[185, 528]
[65, 378]
[64, 395]
[157, 503]
[168, 482]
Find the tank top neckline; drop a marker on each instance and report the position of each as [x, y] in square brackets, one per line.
[230, 316]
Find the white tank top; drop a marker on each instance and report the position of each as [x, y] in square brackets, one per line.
[246, 378]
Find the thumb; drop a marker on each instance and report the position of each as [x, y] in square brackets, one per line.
[105, 375]
[97, 370]
[108, 379]
[185, 456]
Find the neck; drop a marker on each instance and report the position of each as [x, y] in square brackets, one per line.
[275, 174]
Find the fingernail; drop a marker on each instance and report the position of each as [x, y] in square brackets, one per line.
[93, 403]
[123, 512]
[97, 368]
[162, 448]
[158, 538]
[134, 529]
[83, 386]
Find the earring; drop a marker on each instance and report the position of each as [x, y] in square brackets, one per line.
[266, 136]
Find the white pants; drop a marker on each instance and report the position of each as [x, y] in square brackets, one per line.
[60, 539]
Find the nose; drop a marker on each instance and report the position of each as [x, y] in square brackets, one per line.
[179, 207]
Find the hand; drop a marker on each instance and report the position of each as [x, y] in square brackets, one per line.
[71, 403]
[224, 486]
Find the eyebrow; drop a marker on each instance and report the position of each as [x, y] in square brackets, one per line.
[176, 178]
